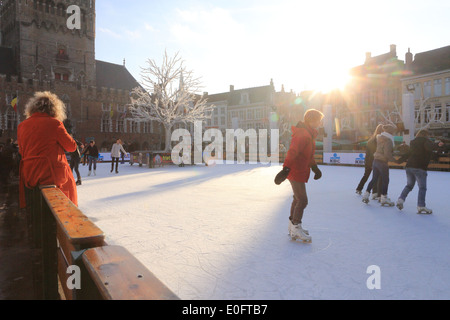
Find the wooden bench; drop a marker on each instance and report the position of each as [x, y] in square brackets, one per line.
[118, 275]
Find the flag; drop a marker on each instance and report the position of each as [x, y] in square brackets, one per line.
[14, 103]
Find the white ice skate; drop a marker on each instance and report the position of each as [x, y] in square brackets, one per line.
[375, 196]
[386, 202]
[89, 174]
[366, 196]
[424, 210]
[359, 192]
[296, 232]
[400, 203]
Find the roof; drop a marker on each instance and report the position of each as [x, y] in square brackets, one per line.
[255, 95]
[386, 63]
[114, 76]
[431, 61]
[7, 65]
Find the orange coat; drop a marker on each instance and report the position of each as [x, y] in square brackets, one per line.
[300, 156]
[42, 140]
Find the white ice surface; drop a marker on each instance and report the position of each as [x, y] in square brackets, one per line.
[220, 232]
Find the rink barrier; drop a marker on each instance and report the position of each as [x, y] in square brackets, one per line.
[74, 248]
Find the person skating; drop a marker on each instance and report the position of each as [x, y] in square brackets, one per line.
[297, 167]
[371, 148]
[116, 149]
[418, 158]
[384, 154]
[92, 151]
[75, 158]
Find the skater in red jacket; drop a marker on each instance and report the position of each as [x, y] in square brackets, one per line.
[297, 167]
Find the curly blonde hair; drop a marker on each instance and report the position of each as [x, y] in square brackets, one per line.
[46, 102]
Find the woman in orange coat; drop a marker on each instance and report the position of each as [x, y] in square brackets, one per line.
[43, 140]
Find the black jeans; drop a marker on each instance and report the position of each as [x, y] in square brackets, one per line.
[115, 160]
[367, 172]
[74, 163]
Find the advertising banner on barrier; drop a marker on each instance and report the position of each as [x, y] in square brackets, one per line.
[344, 158]
[106, 157]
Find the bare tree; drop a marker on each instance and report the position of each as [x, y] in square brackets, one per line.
[168, 95]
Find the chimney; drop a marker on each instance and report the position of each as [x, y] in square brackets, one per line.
[408, 59]
[231, 88]
[394, 49]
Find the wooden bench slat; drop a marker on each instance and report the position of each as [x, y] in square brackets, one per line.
[79, 230]
[120, 276]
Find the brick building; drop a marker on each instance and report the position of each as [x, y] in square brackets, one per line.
[38, 52]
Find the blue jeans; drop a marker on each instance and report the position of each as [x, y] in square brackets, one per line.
[413, 175]
[92, 160]
[380, 171]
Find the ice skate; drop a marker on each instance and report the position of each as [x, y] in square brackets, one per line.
[386, 202]
[366, 196]
[296, 232]
[375, 196]
[424, 210]
[89, 174]
[359, 192]
[78, 183]
[400, 203]
[95, 173]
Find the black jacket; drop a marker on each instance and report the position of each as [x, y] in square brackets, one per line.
[92, 151]
[371, 148]
[420, 153]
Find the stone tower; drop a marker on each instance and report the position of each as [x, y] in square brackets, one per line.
[44, 47]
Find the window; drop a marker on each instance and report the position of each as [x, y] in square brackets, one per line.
[106, 124]
[147, 127]
[258, 114]
[250, 114]
[58, 76]
[447, 113]
[427, 89]
[437, 87]
[65, 77]
[11, 120]
[447, 86]
[417, 91]
[437, 112]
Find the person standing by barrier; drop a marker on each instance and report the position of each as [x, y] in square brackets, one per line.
[43, 140]
[92, 152]
[116, 149]
[418, 157]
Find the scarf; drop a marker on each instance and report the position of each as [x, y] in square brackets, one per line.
[390, 136]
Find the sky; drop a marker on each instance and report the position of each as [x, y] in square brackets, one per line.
[302, 45]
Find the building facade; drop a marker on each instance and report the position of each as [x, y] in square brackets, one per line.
[429, 82]
[40, 53]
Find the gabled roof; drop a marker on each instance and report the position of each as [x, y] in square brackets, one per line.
[114, 76]
[431, 61]
[7, 65]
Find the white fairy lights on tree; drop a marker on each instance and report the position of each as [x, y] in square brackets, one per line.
[168, 95]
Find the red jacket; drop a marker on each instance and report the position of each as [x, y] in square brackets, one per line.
[300, 156]
[42, 140]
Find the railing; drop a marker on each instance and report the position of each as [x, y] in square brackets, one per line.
[75, 261]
